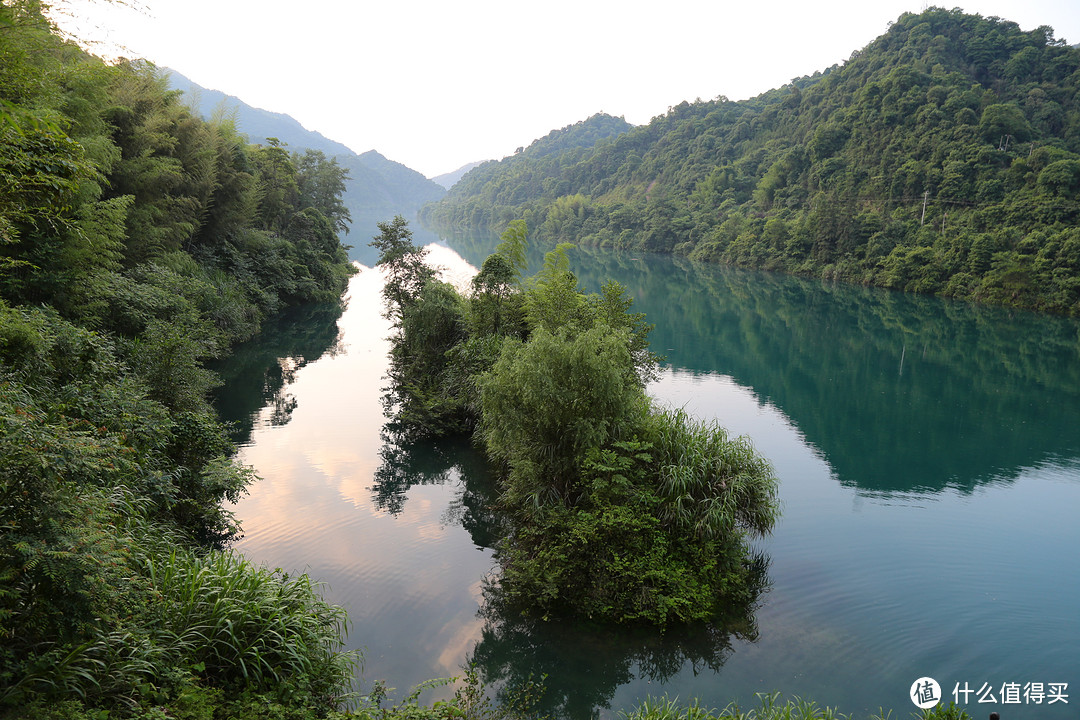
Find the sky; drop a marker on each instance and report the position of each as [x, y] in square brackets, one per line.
[435, 84]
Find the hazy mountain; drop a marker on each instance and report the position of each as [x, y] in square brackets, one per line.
[447, 180]
[377, 189]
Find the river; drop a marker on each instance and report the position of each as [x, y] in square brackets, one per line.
[929, 462]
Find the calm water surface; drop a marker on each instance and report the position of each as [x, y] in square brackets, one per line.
[929, 459]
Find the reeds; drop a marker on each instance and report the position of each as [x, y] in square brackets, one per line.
[218, 617]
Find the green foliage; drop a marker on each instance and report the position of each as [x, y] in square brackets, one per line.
[244, 624]
[617, 512]
[633, 544]
[404, 264]
[712, 484]
[885, 170]
[666, 708]
[547, 401]
[430, 327]
[131, 251]
[553, 300]
[471, 701]
[512, 246]
[320, 184]
[496, 307]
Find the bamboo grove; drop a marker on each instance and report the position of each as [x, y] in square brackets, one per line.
[138, 241]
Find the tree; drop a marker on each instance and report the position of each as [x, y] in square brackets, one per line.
[277, 184]
[554, 300]
[547, 401]
[404, 265]
[512, 246]
[497, 306]
[320, 183]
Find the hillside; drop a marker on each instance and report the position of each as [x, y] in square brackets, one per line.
[523, 176]
[942, 158]
[376, 189]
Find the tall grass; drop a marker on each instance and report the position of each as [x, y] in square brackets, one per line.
[246, 624]
[216, 617]
[670, 709]
[713, 484]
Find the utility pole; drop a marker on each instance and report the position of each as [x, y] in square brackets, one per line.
[922, 220]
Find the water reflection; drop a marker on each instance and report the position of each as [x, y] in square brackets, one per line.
[583, 665]
[435, 462]
[259, 372]
[899, 393]
[961, 568]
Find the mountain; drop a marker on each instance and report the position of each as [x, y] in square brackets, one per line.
[944, 158]
[495, 188]
[377, 188]
[447, 180]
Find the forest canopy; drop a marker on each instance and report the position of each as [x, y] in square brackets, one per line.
[138, 241]
[942, 158]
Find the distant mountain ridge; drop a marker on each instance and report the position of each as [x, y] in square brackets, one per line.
[507, 183]
[447, 180]
[377, 188]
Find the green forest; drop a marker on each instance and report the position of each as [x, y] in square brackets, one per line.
[942, 158]
[137, 242]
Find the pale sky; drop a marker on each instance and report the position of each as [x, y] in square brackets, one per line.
[438, 84]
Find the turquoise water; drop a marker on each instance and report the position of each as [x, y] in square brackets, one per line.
[929, 459]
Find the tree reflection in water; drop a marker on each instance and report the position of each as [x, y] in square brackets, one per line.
[582, 663]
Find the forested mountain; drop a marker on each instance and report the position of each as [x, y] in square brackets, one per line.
[526, 175]
[376, 189]
[137, 241]
[943, 158]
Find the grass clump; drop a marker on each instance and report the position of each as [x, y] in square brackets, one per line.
[771, 708]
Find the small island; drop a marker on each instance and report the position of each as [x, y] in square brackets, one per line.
[616, 510]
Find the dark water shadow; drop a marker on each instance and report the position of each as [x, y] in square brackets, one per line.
[582, 665]
[259, 372]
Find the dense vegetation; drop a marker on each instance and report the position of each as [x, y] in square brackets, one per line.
[942, 158]
[618, 510]
[136, 242]
[376, 188]
[515, 180]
